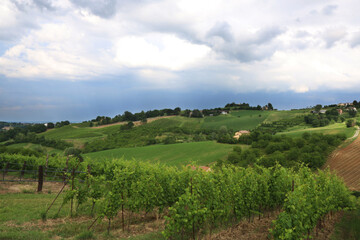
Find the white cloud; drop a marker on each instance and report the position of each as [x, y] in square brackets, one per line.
[239, 45]
[158, 51]
[333, 35]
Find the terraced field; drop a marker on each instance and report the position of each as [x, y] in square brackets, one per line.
[346, 163]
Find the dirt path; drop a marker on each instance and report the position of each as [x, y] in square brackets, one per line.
[345, 163]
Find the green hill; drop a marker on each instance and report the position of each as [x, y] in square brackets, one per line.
[335, 128]
[236, 120]
[202, 153]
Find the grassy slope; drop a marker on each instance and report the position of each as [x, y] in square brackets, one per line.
[34, 146]
[78, 135]
[278, 115]
[330, 129]
[202, 153]
[237, 120]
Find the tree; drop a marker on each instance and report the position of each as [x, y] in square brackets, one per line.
[318, 107]
[177, 111]
[352, 113]
[270, 106]
[128, 116]
[350, 123]
[50, 125]
[196, 114]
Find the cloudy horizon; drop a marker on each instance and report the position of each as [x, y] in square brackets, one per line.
[76, 59]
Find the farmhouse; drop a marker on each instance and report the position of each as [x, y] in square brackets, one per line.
[6, 128]
[352, 108]
[241, 132]
[224, 112]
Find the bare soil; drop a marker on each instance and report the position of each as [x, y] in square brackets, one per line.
[28, 187]
[345, 162]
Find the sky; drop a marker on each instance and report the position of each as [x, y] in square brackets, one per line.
[77, 59]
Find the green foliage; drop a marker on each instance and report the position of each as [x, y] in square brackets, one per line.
[85, 235]
[267, 150]
[203, 153]
[350, 123]
[313, 197]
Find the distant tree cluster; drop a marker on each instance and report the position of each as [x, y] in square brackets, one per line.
[62, 123]
[246, 106]
[128, 116]
[267, 150]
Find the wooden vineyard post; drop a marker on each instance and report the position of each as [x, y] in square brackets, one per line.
[22, 170]
[40, 178]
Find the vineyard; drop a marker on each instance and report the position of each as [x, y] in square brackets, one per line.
[346, 163]
[195, 203]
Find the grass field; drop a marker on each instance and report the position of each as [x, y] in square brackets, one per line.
[78, 135]
[21, 219]
[201, 153]
[278, 115]
[335, 128]
[237, 120]
[35, 147]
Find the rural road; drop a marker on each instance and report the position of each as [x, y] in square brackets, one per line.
[356, 134]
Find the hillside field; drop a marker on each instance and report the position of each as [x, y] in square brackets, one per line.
[336, 128]
[201, 153]
[35, 147]
[78, 135]
[236, 120]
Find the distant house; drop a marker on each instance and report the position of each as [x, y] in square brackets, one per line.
[7, 128]
[352, 108]
[322, 111]
[340, 111]
[224, 112]
[241, 132]
[345, 104]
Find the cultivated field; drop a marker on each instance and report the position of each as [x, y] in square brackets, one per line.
[236, 120]
[346, 163]
[335, 128]
[202, 153]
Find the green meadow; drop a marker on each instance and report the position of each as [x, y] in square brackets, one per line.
[236, 120]
[336, 128]
[33, 146]
[201, 153]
